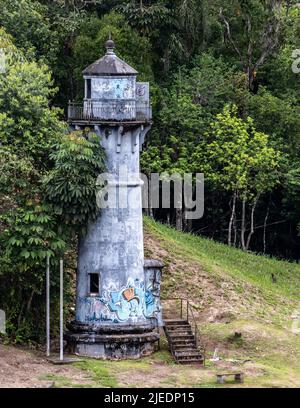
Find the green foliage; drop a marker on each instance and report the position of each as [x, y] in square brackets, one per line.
[146, 18]
[27, 123]
[236, 157]
[71, 184]
[28, 232]
[186, 110]
[26, 21]
[277, 72]
[18, 179]
[29, 237]
[292, 197]
[278, 117]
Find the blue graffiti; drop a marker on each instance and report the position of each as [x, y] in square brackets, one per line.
[101, 318]
[133, 301]
[150, 303]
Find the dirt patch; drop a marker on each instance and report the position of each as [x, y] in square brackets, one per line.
[28, 369]
[185, 376]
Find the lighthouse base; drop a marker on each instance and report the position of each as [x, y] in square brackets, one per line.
[112, 346]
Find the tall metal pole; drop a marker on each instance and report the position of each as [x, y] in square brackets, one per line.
[61, 356]
[48, 305]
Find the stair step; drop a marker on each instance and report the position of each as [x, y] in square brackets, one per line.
[188, 358]
[189, 348]
[175, 328]
[188, 342]
[181, 336]
[187, 353]
[181, 330]
[181, 333]
[182, 342]
[175, 322]
[182, 339]
[192, 361]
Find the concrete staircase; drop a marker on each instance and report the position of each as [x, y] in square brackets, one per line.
[182, 342]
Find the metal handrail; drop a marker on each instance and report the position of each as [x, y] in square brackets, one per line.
[190, 312]
[90, 111]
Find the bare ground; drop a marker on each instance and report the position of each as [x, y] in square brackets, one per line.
[27, 369]
[21, 368]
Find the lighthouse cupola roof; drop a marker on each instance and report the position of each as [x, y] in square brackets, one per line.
[110, 64]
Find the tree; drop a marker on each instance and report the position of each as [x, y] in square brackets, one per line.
[27, 123]
[185, 111]
[26, 21]
[237, 158]
[70, 186]
[144, 15]
[279, 117]
[260, 24]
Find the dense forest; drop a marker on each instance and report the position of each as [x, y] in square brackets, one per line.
[225, 91]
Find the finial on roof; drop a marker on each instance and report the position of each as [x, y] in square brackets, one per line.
[110, 45]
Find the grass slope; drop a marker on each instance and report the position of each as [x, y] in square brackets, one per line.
[233, 291]
[219, 259]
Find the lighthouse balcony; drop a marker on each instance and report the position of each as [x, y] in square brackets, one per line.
[93, 111]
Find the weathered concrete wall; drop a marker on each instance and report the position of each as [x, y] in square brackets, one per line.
[113, 347]
[153, 276]
[113, 247]
[112, 98]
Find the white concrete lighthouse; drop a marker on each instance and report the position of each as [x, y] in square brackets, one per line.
[118, 306]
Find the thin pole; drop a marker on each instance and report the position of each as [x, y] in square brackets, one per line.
[48, 305]
[61, 357]
[181, 313]
[187, 310]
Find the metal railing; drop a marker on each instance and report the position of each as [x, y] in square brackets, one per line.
[187, 312]
[110, 112]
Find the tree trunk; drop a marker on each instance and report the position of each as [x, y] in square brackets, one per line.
[252, 222]
[235, 231]
[179, 219]
[150, 209]
[20, 315]
[265, 230]
[243, 226]
[168, 218]
[232, 218]
[28, 306]
[188, 225]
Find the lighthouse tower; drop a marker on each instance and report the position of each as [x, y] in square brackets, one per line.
[118, 307]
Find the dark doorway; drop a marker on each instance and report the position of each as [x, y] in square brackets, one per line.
[94, 284]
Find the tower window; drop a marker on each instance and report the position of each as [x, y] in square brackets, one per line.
[88, 89]
[94, 284]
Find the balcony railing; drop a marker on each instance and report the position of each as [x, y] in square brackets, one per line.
[119, 112]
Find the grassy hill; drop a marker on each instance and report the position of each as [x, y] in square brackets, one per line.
[232, 292]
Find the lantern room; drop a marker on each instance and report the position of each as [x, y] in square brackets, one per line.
[112, 92]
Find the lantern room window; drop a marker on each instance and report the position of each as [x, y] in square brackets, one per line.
[88, 88]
